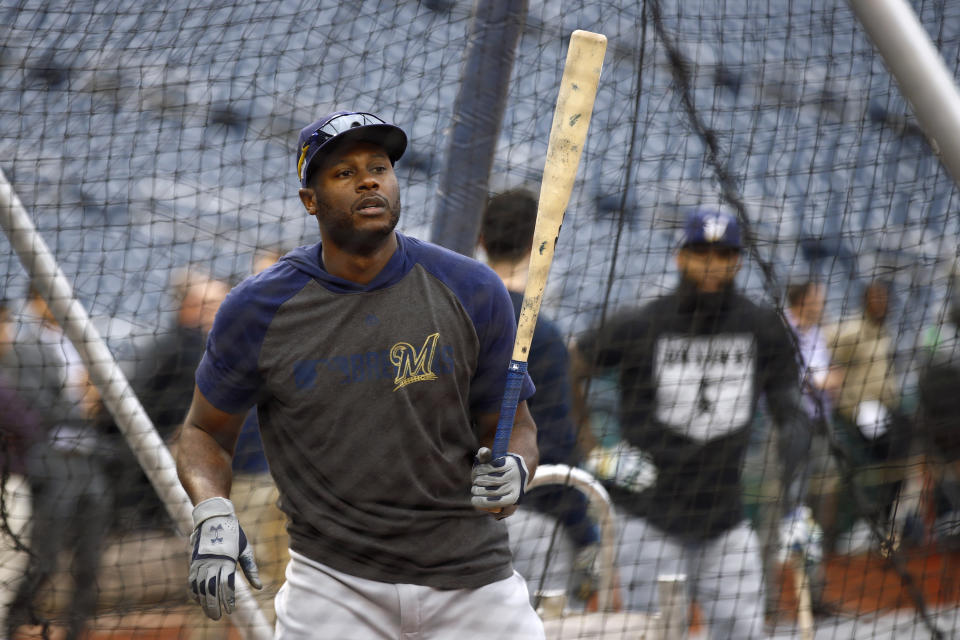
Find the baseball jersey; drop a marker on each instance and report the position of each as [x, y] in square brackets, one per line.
[365, 396]
[691, 370]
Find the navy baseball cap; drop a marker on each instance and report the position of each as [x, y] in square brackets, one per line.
[346, 125]
[711, 227]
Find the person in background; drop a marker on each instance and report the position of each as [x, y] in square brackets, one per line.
[72, 497]
[21, 428]
[937, 432]
[869, 425]
[801, 532]
[804, 313]
[692, 367]
[163, 382]
[506, 237]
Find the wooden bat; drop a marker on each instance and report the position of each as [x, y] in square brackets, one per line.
[571, 118]
[801, 584]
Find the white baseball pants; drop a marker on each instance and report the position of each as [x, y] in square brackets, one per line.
[319, 602]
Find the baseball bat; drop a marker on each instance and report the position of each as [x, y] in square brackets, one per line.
[571, 118]
[801, 583]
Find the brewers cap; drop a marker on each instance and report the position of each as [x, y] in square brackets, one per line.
[341, 126]
[711, 227]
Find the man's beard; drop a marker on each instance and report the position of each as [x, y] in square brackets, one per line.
[360, 242]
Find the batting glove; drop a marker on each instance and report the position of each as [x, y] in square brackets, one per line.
[800, 535]
[622, 466]
[218, 545]
[498, 483]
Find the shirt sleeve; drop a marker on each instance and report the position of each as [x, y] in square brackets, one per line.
[496, 328]
[550, 406]
[781, 385]
[779, 361]
[228, 376]
[603, 346]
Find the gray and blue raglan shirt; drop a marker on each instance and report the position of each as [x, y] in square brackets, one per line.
[365, 396]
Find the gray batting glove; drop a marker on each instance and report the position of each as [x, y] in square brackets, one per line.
[218, 545]
[497, 483]
[623, 466]
[800, 534]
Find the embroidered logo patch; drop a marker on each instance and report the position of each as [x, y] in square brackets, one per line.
[414, 365]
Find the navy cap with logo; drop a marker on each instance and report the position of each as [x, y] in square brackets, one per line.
[711, 227]
[341, 126]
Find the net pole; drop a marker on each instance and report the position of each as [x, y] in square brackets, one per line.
[117, 395]
[920, 72]
[495, 30]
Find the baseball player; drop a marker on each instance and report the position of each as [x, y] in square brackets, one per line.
[377, 363]
[692, 366]
[506, 236]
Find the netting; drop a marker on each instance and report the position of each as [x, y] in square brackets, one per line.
[153, 147]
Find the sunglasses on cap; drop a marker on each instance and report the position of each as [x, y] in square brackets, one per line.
[334, 127]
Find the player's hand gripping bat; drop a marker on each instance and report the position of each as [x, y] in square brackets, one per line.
[571, 118]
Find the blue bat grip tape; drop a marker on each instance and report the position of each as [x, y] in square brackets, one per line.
[508, 409]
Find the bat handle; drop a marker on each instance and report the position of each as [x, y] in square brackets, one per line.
[508, 408]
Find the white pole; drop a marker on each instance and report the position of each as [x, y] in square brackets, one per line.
[118, 397]
[920, 72]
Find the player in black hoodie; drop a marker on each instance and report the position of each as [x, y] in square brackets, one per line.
[692, 366]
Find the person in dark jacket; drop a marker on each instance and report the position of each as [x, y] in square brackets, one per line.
[506, 237]
[692, 367]
[163, 382]
[937, 432]
[72, 497]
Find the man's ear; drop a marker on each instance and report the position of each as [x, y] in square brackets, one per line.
[309, 199]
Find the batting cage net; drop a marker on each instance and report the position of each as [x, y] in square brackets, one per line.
[777, 461]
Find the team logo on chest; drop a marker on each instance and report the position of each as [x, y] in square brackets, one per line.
[412, 364]
[705, 384]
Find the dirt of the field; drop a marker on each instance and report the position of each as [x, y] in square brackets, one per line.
[858, 588]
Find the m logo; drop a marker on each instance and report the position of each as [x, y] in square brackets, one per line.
[413, 365]
[714, 228]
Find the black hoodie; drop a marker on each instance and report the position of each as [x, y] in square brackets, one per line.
[692, 368]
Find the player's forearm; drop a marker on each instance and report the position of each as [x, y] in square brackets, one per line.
[204, 467]
[523, 442]
[523, 437]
